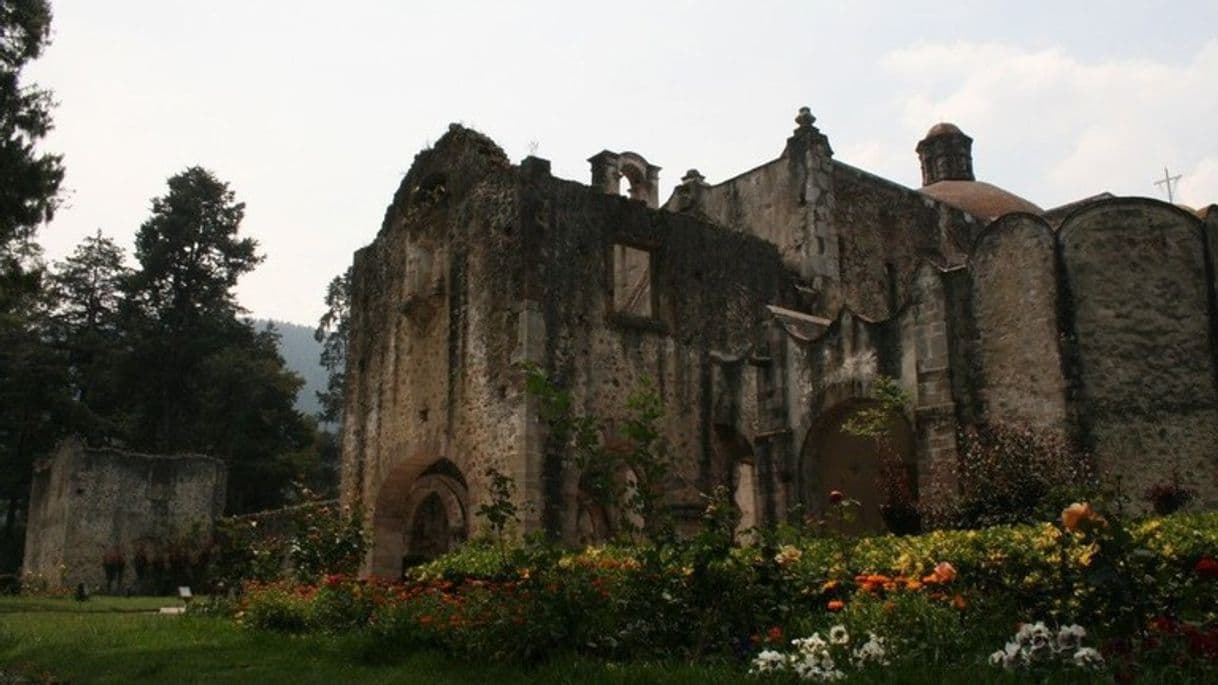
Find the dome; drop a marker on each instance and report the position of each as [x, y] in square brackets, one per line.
[981, 199]
[943, 128]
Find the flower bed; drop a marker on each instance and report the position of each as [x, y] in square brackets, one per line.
[950, 596]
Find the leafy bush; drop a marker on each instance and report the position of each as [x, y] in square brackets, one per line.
[327, 540]
[1016, 474]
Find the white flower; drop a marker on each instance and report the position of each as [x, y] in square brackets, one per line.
[872, 651]
[838, 635]
[808, 645]
[818, 668]
[997, 658]
[1012, 656]
[1070, 636]
[1086, 657]
[768, 661]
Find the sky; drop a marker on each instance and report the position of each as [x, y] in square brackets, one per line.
[313, 111]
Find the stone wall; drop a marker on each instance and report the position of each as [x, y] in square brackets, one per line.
[86, 502]
[1015, 301]
[1141, 310]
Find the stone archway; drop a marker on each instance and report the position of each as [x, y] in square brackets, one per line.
[835, 459]
[418, 519]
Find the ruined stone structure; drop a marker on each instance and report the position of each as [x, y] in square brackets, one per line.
[86, 503]
[763, 307]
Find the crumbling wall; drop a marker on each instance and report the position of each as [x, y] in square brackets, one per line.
[88, 502]
[1137, 276]
[710, 288]
[887, 231]
[431, 387]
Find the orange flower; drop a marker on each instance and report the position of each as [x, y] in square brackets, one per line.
[836, 605]
[1078, 514]
[945, 572]
[958, 602]
[774, 634]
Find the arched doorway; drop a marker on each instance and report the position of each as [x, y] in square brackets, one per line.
[873, 471]
[418, 519]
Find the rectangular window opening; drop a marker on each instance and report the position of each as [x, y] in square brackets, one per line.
[632, 281]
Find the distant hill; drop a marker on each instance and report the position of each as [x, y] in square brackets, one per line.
[301, 354]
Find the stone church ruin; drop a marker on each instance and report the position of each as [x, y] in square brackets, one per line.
[764, 307]
[95, 509]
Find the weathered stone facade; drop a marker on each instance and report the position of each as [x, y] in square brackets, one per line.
[763, 308]
[87, 502]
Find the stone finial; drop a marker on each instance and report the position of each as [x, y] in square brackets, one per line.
[804, 120]
[693, 176]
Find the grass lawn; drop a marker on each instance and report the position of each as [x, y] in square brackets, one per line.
[112, 640]
[102, 641]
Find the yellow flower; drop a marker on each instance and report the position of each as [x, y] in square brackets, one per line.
[787, 555]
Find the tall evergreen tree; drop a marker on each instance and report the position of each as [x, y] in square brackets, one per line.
[181, 305]
[33, 397]
[197, 377]
[35, 408]
[332, 331]
[86, 290]
[29, 179]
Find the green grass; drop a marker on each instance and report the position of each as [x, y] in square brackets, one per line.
[111, 640]
[59, 637]
[99, 604]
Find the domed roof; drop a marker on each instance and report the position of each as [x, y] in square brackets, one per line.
[943, 128]
[981, 199]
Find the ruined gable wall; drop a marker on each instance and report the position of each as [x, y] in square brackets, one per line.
[711, 285]
[886, 231]
[434, 324]
[1137, 275]
[1014, 299]
[96, 500]
[762, 202]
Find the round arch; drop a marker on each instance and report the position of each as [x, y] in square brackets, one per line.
[862, 468]
[418, 518]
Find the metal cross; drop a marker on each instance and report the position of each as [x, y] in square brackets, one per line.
[1168, 179]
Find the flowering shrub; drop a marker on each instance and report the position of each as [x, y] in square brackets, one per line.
[327, 540]
[1036, 646]
[821, 660]
[943, 596]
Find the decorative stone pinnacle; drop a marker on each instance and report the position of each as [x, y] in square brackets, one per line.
[804, 119]
[692, 175]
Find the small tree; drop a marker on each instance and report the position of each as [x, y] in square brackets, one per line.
[642, 452]
[899, 508]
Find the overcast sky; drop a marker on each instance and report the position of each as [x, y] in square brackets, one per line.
[312, 110]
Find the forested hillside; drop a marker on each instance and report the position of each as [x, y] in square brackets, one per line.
[301, 353]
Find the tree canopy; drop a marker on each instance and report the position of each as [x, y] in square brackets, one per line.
[29, 178]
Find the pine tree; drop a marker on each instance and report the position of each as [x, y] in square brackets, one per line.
[29, 179]
[86, 291]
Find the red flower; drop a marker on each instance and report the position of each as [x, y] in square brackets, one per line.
[774, 634]
[1207, 567]
[836, 605]
[836, 497]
